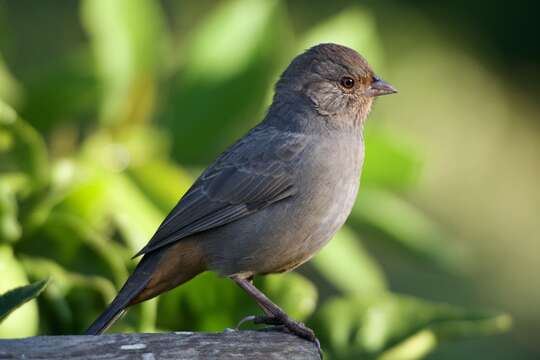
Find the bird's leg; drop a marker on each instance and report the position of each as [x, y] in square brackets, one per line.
[274, 314]
[253, 317]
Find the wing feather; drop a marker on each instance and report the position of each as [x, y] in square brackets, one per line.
[248, 177]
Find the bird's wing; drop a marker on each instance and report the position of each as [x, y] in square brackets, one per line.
[252, 174]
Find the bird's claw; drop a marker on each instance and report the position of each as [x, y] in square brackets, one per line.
[244, 320]
[294, 327]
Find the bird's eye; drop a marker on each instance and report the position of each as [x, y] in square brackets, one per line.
[347, 82]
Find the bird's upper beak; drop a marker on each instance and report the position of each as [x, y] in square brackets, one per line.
[380, 87]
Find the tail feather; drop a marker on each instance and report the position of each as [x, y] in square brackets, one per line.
[157, 272]
[133, 286]
[104, 321]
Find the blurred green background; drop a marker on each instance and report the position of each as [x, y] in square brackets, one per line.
[110, 109]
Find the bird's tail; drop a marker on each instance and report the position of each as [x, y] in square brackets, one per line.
[157, 272]
[133, 286]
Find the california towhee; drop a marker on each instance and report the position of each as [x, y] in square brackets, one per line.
[276, 196]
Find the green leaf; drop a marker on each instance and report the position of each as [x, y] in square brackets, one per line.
[343, 256]
[391, 219]
[23, 322]
[128, 40]
[388, 326]
[15, 298]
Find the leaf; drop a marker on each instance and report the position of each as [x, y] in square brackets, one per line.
[15, 298]
[387, 325]
[23, 322]
[128, 41]
[388, 218]
[343, 256]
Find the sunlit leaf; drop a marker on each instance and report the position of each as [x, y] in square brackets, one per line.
[345, 263]
[15, 298]
[127, 38]
[23, 322]
[386, 325]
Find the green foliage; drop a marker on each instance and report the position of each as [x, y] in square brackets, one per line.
[127, 42]
[77, 201]
[15, 298]
[389, 326]
[24, 321]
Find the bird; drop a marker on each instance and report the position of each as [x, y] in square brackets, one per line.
[274, 198]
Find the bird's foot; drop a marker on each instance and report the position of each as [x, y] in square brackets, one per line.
[245, 320]
[287, 324]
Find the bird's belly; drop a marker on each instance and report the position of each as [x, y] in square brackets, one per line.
[288, 233]
[313, 231]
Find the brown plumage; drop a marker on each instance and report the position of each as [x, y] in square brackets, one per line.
[181, 262]
[274, 198]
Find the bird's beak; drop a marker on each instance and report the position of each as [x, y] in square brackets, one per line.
[380, 87]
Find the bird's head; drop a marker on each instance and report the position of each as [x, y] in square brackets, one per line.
[336, 81]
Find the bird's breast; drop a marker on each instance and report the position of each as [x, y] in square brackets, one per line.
[335, 177]
[289, 232]
[330, 176]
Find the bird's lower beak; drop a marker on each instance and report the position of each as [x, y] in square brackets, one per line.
[380, 87]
